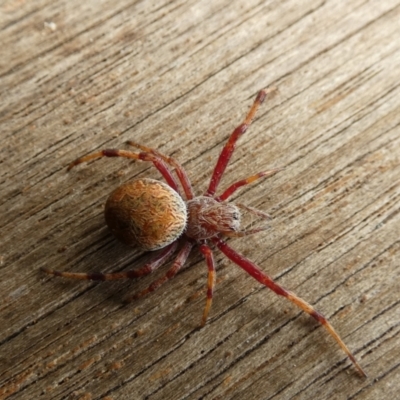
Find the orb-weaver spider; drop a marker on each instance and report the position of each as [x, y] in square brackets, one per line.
[153, 215]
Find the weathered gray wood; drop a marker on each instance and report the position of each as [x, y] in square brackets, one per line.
[179, 76]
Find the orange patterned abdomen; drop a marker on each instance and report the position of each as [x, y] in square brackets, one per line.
[146, 213]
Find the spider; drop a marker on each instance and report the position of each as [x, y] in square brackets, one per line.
[153, 215]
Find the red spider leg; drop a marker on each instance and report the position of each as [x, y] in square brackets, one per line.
[232, 189]
[176, 266]
[158, 162]
[253, 270]
[208, 255]
[229, 147]
[151, 266]
[182, 175]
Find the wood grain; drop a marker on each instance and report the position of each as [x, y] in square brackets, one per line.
[179, 76]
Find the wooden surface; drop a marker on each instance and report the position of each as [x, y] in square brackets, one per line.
[77, 76]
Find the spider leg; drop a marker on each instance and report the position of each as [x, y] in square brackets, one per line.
[253, 270]
[229, 147]
[232, 189]
[255, 211]
[144, 156]
[208, 255]
[246, 232]
[176, 266]
[151, 266]
[182, 175]
[243, 233]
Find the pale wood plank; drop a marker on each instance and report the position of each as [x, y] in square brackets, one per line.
[178, 76]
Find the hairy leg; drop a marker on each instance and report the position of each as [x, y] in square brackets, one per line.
[176, 266]
[208, 255]
[151, 266]
[182, 175]
[229, 147]
[232, 189]
[246, 232]
[253, 270]
[157, 161]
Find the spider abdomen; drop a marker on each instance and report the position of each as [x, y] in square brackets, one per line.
[207, 217]
[146, 213]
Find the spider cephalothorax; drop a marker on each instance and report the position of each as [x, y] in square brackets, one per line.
[208, 217]
[153, 215]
